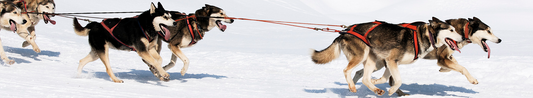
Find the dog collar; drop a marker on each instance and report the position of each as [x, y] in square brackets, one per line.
[466, 32]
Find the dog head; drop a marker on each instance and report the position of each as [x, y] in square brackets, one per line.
[445, 34]
[213, 11]
[161, 19]
[482, 33]
[11, 15]
[46, 6]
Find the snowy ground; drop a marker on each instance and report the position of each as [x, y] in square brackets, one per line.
[261, 60]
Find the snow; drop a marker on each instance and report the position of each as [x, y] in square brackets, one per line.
[261, 60]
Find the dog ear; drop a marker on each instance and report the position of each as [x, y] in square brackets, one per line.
[152, 8]
[160, 6]
[207, 5]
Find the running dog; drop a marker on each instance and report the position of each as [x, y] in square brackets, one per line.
[10, 17]
[190, 30]
[473, 30]
[138, 34]
[33, 7]
[394, 44]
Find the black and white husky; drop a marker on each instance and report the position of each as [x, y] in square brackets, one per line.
[189, 31]
[138, 34]
[394, 44]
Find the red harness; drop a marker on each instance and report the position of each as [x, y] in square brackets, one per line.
[192, 32]
[110, 30]
[363, 38]
[467, 31]
[415, 37]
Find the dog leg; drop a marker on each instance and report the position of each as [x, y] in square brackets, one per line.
[30, 39]
[392, 66]
[359, 74]
[348, 71]
[3, 54]
[104, 56]
[369, 67]
[89, 58]
[399, 92]
[177, 51]
[451, 64]
[447, 61]
[172, 62]
[383, 78]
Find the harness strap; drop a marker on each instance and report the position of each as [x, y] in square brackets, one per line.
[110, 30]
[415, 37]
[192, 32]
[361, 37]
[144, 33]
[467, 31]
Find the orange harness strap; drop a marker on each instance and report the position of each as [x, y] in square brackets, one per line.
[415, 37]
[363, 38]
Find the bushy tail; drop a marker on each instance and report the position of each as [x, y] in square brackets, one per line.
[81, 31]
[327, 55]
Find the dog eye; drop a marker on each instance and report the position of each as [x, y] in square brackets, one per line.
[47, 7]
[14, 12]
[166, 17]
[221, 13]
[451, 30]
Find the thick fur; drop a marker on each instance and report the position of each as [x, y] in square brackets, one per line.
[129, 32]
[181, 36]
[37, 6]
[390, 43]
[10, 18]
[444, 54]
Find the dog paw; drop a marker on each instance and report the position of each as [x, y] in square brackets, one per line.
[165, 77]
[353, 89]
[183, 71]
[444, 70]
[25, 44]
[118, 81]
[10, 62]
[37, 50]
[474, 82]
[379, 91]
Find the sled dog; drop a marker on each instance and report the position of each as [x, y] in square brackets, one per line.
[10, 17]
[393, 43]
[33, 7]
[189, 31]
[473, 30]
[139, 34]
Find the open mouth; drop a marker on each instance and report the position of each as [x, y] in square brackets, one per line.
[164, 31]
[486, 47]
[452, 44]
[13, 25]
[47, 19]
[221, 26]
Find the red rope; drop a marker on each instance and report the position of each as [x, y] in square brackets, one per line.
[292, 24]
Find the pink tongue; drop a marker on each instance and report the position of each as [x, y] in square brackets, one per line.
[13, 26]
[488, 49]
[167, 33]
[46, 18]
[221, 26]
[453, 45]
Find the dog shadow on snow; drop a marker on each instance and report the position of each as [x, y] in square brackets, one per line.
[145, 76]
[29, 53]
[413, 89]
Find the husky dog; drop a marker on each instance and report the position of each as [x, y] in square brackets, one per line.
[394, 44]
[472, 30]
[35, 6]
[136, 34]
[10, 16]
[189, 31]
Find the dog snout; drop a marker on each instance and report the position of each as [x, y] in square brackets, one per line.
[231, 20]
[499, 41]
[24, 21]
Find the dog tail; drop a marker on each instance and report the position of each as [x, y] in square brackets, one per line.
[327, 55]
[80, 30]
